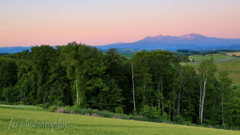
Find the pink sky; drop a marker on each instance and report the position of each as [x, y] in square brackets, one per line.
[95, 22]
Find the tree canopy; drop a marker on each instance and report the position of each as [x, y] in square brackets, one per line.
[152, 84]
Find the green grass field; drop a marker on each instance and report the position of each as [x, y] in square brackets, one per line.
[128, 55]
[223, 63]
[216, 57]
[18, 121]
[233, 68]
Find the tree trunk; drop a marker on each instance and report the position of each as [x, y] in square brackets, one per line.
[200, 99]
[20, 97]
[203, 97]
[162, 96]
[144, 88]
[179, 97]
[174, 102]
[134, 103]
[144, 97]
[222, 107]
[77, 92]
[0, 94]
[44, 99]
[159, 98]
[23, 96]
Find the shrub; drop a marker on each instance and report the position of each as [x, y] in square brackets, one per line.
[149, 112]
[164, 116]
[60, 110]
[74, 109]
[67, 110]
[187, 123]
[145, 111]
[119, 110]
[53, 108]
[178, 119]
[10, 94]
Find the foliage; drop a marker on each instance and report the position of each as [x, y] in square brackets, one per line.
[97, 83]
[119, 110]
[178, 119]
[53, 108]
[149, 112]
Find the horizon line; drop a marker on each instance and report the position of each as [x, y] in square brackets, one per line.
[123, 42]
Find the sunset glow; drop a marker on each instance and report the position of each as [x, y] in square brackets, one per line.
[95, 22]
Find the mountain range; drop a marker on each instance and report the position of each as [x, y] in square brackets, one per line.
[189, 41]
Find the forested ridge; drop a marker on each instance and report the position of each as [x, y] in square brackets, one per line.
[151, 84]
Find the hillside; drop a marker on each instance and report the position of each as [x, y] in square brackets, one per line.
[13, 49]
[89, 125]
[232, 67]
[224, 63]
[104, 82]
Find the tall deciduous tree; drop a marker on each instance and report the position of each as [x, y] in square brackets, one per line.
[73, 58]
[143, 87]
[225, 83]
[206, 71]
[41, 57]
[162, 64]
[8, 73]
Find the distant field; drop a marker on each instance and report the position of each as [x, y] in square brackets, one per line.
[233, 68]
[216, 57]
[223, 62]
[233, 53]
[15, 121]
[128, 55]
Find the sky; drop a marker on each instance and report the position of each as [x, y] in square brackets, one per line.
[100, 22]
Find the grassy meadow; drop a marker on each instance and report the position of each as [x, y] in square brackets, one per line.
[216, 57]
[128, 55]
[233, 69]
[233, 53]
[223, 62]
[18, 121]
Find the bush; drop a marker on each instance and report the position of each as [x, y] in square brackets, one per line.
[187, 123]
[164, 116]
[95, 112]
[53, 108]
[60, 110]
[10, 94]
[119, 110]
[145, 111]
[178, 119]
[149, 112]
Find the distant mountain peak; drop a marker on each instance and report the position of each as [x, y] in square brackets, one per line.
[167, 37]
[149, 38]
[192, 36]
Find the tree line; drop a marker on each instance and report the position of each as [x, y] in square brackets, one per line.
[152, 84]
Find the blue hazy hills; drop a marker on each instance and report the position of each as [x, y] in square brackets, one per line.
[189, 41]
